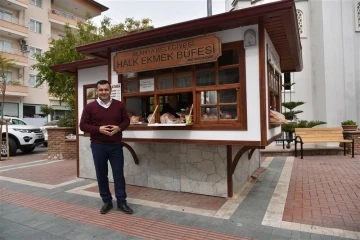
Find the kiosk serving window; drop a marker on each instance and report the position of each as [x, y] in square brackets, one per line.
[274, 84]
[215, 90]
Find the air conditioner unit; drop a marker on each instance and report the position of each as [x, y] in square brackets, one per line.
[25, 48]
[22, 42]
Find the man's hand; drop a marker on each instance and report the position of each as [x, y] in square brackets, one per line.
[109, 130]
[114, 129]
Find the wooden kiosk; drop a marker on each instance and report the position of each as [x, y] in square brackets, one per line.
[227, 66]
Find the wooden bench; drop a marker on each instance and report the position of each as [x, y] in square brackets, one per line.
[319, 135]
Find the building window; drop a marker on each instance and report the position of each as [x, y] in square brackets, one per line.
[35, 26]
[32, 111]
[6, 16]
[33, 51]
[357, 17]
[8, 76]
[288, 84]
[11, 109]
[32, 80]
[37, 3]
[5, 46]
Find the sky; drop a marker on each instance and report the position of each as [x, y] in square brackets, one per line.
[161, 12]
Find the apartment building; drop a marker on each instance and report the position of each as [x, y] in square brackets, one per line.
[27, 27]
[330, 80]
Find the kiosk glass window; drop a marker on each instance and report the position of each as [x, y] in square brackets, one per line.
[221, 101]
[229, 76]
[165, 82]
[229, 57]
[130, 86]
[89, 93]
[217, 90]
[220, 104]
[206, 78]
[183, 80]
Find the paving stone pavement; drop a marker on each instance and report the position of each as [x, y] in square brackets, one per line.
[35, 212]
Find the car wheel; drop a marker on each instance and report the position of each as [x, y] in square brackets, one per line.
[12, 147]
[27, 150]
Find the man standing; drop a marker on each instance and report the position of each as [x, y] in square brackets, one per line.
[105, 119]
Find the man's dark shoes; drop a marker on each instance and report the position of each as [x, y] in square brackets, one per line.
[106, 208]
[125, 208]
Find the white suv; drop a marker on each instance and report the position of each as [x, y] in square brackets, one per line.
[21, 136]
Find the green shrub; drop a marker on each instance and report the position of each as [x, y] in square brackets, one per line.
[348, 122]
[68, 121]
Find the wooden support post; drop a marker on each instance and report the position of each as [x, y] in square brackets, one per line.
[229, 170]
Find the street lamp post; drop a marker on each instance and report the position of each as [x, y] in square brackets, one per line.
[209, 8]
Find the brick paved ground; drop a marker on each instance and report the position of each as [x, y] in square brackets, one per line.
[23, 159]
[34, 212]
[325, 191]
[169, 197]
[55, 172]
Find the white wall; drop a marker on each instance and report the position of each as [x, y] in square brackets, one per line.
[303, 88]
[330, 80]
[335, 47]
[85, 77]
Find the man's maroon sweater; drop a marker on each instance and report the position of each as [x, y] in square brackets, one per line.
[94, 116]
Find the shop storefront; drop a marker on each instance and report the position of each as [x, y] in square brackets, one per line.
[219, 74]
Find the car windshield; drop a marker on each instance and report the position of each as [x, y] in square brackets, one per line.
[52, 123]
[2, 122]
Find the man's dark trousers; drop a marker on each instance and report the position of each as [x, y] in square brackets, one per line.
[114, 153]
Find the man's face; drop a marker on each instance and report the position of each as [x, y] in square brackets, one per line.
[103, 91]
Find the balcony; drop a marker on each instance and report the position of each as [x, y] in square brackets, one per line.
[51, 97]
[17, 5]
[54, 37]
[59, 18]
[16, 88]
[13, 28]
[19, 58]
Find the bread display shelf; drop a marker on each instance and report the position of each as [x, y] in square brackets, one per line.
[169, 124]
[278, 122]
[138, 123]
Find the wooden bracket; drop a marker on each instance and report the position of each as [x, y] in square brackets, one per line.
[251, 153]
[132, 152]
[237, 157]
[232, 163]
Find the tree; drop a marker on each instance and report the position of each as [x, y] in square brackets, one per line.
[47, 110]
[6, 65]
[290, 114]
[63, 51]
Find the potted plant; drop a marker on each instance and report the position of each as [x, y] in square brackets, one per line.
[349, 125]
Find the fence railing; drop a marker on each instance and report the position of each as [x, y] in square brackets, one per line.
[66, 15]
[15, 51]
[13, 20]
[15, 82]
[55, 36]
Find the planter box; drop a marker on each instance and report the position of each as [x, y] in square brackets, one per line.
[347, 128]
[356, 136]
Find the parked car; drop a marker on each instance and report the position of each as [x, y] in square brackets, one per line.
[21, 136]
[45, 127]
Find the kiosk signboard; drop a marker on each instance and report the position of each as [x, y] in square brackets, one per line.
[174, 54]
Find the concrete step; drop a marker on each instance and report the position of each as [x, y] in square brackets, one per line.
[308, 151]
